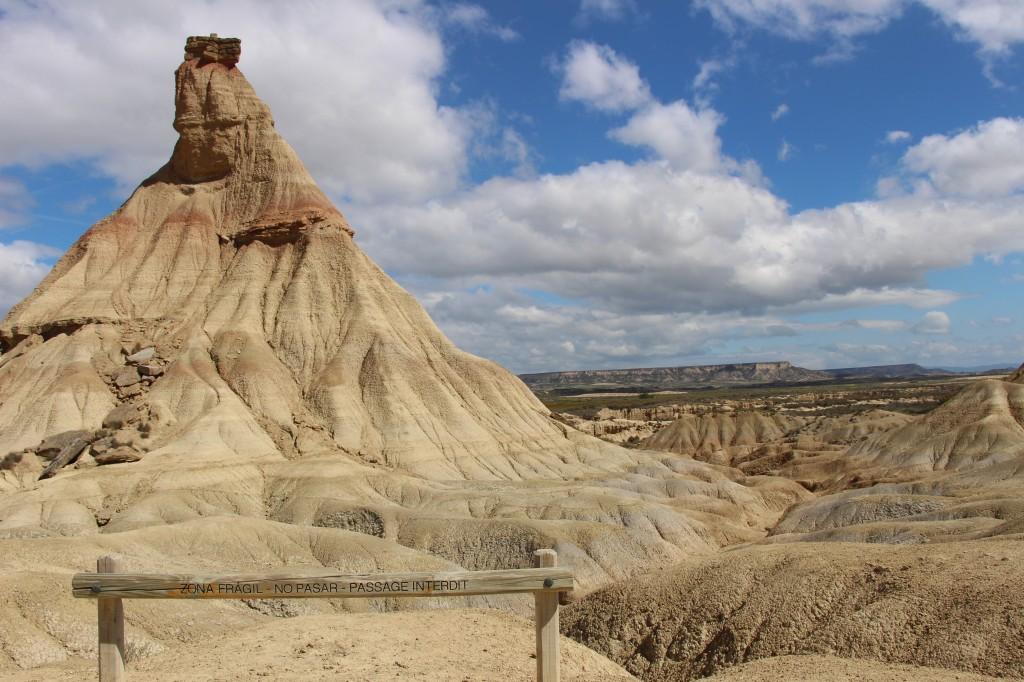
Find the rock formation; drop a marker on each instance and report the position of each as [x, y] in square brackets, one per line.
[811, 450]
[982, 425]
[271, 332]
[936, 502]
[234, 385]
[954, 473]
[719, 437]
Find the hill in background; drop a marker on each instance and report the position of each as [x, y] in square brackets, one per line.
[727, 375]
[653, 378]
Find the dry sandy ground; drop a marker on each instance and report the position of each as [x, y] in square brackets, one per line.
[814, 668]
[450, 646]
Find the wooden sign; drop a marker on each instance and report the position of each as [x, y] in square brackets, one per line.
[109, 588]
[334, 586]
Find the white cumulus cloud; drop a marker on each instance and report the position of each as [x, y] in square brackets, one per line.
[995, 25]
[880, 325]
[601, 78]
[677, 133]
[646, 236]
[705, 83]
[804, 19]
[933, 322]
[986, 160]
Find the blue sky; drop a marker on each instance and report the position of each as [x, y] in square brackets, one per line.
[589, 183]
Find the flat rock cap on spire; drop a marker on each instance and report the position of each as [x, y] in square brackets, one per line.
[211, 48]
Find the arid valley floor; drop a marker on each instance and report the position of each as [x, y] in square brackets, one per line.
[232, 385]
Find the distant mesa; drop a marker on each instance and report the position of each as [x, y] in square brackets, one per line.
[706, 376]
[738, 374]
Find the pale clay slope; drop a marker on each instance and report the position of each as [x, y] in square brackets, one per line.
[955, 473]
[980, 426]
[920, 595]
[718, 438]
[743, 437]
[307, 413]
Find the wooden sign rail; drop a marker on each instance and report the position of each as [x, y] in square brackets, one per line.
[109, 587]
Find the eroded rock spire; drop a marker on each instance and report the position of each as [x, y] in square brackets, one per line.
[276, 336]
[221, 121]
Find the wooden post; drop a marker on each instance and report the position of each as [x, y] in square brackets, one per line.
[110, 611]
[546, 615]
